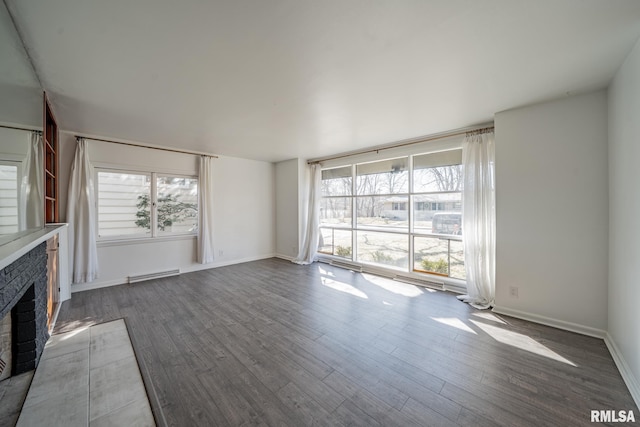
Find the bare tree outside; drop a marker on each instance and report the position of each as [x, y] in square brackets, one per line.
[439, 179]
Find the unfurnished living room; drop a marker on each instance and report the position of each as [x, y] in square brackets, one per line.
[340, 212]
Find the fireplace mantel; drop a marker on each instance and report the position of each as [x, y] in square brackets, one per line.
[13, 250]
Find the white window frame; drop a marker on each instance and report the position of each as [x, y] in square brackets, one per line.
[19, 165]
[411, 233]
[153, 235]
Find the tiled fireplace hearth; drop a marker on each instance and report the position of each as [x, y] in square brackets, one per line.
[23, 300]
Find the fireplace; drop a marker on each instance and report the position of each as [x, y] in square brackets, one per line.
[23, 310]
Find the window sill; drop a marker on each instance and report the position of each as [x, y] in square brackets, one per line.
[450, 283]
[143, 240]
[456, 237]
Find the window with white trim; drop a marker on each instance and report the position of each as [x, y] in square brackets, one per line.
[9, 197]
[142, 204]
[401, 213]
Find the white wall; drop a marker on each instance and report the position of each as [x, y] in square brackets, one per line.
[244, 212]
[287, 208]
[14, 144]
[552, 212]
[624, 220]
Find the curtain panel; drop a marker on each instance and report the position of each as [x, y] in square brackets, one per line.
[31, 187]
[479, 218]
[81, 216]
[311, 236]
[205, 214]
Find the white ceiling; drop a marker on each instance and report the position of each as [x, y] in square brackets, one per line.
[277, 79]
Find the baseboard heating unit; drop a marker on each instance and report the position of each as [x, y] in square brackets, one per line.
[346, 265]
[157, 275]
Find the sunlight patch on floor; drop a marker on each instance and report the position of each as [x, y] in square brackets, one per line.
[396, 287]
[455, 322]
[69, 335]
[343, 287]
[326, 272]
[521, 341]
[489, 316]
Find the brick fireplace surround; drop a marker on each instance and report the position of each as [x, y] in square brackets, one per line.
[23, 296]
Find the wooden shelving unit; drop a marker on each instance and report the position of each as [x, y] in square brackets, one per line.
[51, 199]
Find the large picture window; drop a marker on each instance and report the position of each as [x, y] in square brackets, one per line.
[402, 213]
[135, 204]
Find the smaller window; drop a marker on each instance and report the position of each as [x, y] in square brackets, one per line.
[9, 178]
[132, 204]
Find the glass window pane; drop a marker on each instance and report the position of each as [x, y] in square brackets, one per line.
[335, 211]
[124, 204]
[335, 242]
[431, 254]
[342, 243]
[337, 182]
[385, 249]
[325, 245]
[385, 177]
[457, 260]
[442, 158]
[383, 212]
[8, 199]
[438, 213]
[177, 208]
[445, 178]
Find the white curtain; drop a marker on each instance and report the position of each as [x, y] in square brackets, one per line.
[309, 248]
[205, 214]
[81, 216]
[31, 194]
[479, 218]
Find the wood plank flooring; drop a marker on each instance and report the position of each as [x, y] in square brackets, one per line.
[274, 343]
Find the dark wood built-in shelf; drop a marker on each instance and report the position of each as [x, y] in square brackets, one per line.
[51, 198]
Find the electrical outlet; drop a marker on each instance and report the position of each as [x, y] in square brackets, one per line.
[220, 252]
[513, 291]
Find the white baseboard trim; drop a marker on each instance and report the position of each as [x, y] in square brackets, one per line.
[80, 287]
[548, 321]
[625, 371]
[214, 264]
[285, 257]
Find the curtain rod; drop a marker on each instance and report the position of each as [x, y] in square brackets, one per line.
[19, 128]
[402, 144]
[172, 150]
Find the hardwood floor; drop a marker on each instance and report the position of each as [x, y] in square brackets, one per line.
[273, 343]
